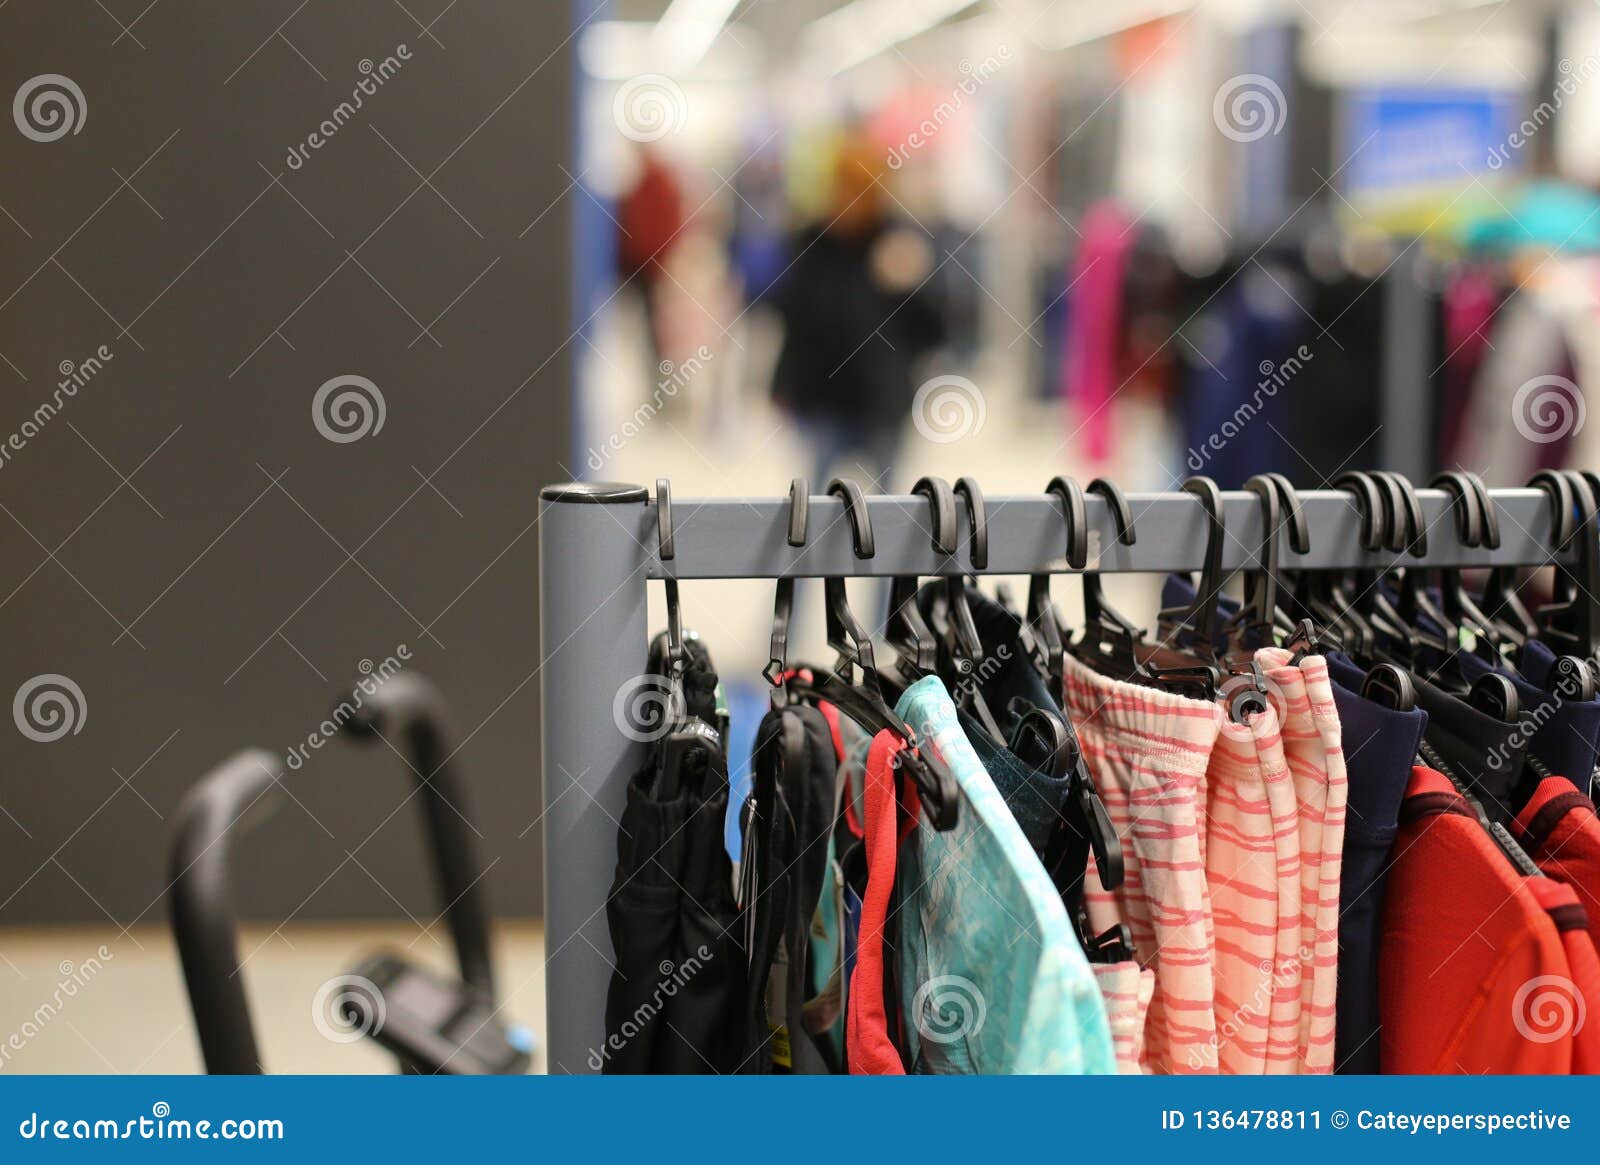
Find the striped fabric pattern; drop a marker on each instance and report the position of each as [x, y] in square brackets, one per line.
[1312, 745]
[1149, 750]
[1126, 988]
[1253, 872]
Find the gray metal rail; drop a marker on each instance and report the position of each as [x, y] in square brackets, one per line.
[597, 550]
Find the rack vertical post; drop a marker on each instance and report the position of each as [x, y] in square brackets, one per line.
[593, 636]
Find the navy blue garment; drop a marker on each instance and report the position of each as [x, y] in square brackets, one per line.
[1234, 377]
[1380, 746]
[1568, 739]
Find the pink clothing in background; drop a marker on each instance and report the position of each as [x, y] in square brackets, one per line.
[1094, 327]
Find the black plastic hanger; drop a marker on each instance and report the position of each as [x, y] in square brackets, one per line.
[676, 657]
[1323, 596]
[1042, 621]
[1110, 641]
[1257, 615]
[864, 703]
[845, 633]
[1500, 598]
[783, 600]
[966, 648]
[1570, 622]
[1402, 530]
[905, 629]
[1477, 525]
[1202, 678]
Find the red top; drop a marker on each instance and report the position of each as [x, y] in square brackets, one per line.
[1561, 831]
[1467, 949]
[868, 1046]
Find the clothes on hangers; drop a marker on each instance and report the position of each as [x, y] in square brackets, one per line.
[992, 979]
[1149, 750]
[1485, 752]
[1313, 750]
[786, 866]
[870, 1044]
[676, 997]
[1464, 936]
[1253, 878]
[1380, 744]
[1037, 799]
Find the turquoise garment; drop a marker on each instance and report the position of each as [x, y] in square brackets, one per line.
[992, 979]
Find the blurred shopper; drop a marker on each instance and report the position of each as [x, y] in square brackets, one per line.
[856, 319]
[650, 218]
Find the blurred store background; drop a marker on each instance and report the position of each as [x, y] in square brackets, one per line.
[1015, 238]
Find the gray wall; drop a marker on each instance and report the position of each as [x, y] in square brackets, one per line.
[180, 539]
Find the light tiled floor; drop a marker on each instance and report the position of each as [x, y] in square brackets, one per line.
[86, 1000]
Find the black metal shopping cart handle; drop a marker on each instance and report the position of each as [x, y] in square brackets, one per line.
[229, 800]
[408, 713]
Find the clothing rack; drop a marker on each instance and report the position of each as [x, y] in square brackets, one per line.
[598, 548]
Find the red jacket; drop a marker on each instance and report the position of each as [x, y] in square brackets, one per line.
[1469, 952]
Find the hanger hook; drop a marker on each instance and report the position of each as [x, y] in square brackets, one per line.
[1077, 517]
[860, 520]
[799, 510]
[1117, 501]
[783, 599]
[676, 655]
[1416, 531]
[1262, 592]
[1464, 500]
[1486, 509]
[967, 488]
[1374, 521]
[1559, 490]
[942, 503]
[1289, 499]
[1198, 615]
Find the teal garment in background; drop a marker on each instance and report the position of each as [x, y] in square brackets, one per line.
[992, 979]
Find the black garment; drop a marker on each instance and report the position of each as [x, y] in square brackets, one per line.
[849, 343]
[789, 819]
[1040, 802]
[1483, 752]
[677, 993]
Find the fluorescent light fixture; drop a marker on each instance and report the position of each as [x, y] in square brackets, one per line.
[864, 28]
[686, 30]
